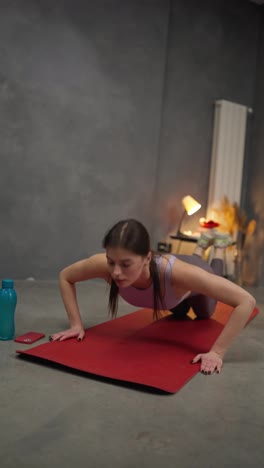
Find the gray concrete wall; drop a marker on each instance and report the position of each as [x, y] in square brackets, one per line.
[86, 89]
[254, 197]
[80, 97]
[212, 55]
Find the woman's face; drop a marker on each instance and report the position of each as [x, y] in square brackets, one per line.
[125, 267]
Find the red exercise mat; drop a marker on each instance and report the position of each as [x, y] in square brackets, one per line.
[135, 349]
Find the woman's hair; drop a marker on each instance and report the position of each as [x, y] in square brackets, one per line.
[131, 235]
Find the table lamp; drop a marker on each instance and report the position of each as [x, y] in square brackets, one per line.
[190, 207]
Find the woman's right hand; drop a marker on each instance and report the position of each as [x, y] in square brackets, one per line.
[76, 331]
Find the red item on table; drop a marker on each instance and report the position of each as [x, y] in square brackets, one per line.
[209, 224]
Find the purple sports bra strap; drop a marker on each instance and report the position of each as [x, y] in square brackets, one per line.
[168, 269]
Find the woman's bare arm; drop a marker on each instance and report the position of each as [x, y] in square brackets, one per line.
[92, 267]
[193, 278]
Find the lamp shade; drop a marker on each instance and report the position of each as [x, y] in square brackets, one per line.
[190, 205]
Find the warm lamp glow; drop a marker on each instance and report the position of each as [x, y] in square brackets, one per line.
[190, 205]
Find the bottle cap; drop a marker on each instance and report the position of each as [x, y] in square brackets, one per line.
[7, 283]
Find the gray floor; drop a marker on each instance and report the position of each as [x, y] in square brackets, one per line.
[52, 417]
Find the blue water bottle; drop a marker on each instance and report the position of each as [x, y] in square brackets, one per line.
[8, 301]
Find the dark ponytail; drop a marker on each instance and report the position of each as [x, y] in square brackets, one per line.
[113, 299]
[131, 235]
[157, 295]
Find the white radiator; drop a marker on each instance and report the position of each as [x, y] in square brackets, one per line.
[230, 122]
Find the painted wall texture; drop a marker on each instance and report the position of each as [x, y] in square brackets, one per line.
[212, 55]
[254, 175]
[81, 96]
[107, 112]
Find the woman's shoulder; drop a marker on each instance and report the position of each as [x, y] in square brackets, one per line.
[98, 261]
[94, 266]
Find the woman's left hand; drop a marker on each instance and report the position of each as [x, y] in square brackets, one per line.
[210, 362]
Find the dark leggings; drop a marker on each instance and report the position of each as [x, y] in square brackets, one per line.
[202, 306]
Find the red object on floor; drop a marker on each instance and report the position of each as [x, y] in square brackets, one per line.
[29, 337]
[135, 349]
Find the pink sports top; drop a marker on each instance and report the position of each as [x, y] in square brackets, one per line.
[144, 297]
